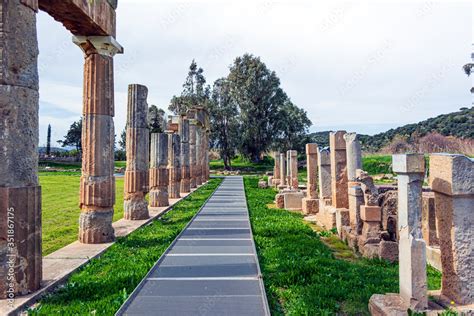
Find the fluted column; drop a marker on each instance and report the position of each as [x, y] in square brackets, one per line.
[174, 165]
[192, 148]
[97, 193]
[159, 173]
[199, 141]
[136, 175]
[185, 155]
[283, 179]
[20, 193]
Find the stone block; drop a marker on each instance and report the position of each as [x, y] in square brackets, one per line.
[310, 206]
[337, 141]
[342, 220]
[388, 305]
[294, 201]
[95, 227]
[262, 184]
[451, 174]
[312, 149]
[280, 200]
[388, 250]
[408, 163]
[370, 213]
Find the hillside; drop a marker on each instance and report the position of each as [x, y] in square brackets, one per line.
[458, 124]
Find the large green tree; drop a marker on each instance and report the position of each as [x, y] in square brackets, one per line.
[195, 92]
[224, 121]
[256, 90]
[292, 128]
[73, 136]
[156, 119]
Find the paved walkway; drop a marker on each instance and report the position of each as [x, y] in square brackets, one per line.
[211, 268]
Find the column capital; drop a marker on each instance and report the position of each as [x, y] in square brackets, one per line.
[103, 45]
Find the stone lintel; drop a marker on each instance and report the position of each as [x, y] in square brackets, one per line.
[408, 163]
[83, 17]
[104, 45]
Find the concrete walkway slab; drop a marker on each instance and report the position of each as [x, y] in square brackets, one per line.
[211, 268]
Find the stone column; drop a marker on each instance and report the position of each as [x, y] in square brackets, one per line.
[20, 194]
[174, 165]
[159, 173]
[276, 170]
[452, 180]
[339, 190]
[288, 169]
[135, 207]
[354, 156]
[97, 193]
[356, 200]
[185, 155]
[412, 248]
[324, 167]
[283, 181]
[199, 141]
[205, 155]
[192, 152]
[294, 169]
[311, 202]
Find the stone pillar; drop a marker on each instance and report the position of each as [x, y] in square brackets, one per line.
[339, 190]
[191, 115]
[185, 155]
[324, 167]
[205, 155]
[276, 170]
[452, 180]
[20, 194]
[159, 173]
[356, 200]
[174, 165]
[412, 248]
[311, 202]
[136, 174]
[293, 163]
[354, 156]
[283, 179]
[97, 193]
[199, 141]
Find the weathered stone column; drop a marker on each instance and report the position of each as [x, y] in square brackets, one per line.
[20, 194]
[283, 180]
[452, 180]
[288, 169]
[339, 190]
[354, 156]
[192, 151]
[356, 200]
[136, 174]
[412, 248]
[294, 169]
[311, 202]
[159, 173]
[97, 193]
[199, 141]
[324, 167]
[174, 165]
[185, 155]
[276, 170]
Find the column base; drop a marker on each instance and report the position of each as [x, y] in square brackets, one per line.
[159, 198]
[95, 227]
[173, 191]
[185, 186]
[135, 208]
[294, 201]
[310, 206]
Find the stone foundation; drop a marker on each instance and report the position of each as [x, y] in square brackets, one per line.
[293, 201]
[310, 206]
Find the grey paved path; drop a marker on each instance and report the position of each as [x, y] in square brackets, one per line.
[211, 268]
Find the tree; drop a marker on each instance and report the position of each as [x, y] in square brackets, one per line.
[224, 121]
[156, 119]
[257, 92]
[73, 136]
[194, 91]
[48, 141]
[123, 139]
[292, 128]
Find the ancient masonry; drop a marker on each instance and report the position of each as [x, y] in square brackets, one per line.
[159, 173]
[174, 165]
[192, 148]
[136, 175]
[311, 202]
[185, 186]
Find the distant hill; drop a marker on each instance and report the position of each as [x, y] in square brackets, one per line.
[42, 150]
[458, 124]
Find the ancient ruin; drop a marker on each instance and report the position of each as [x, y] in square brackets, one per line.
[311, 201]
[136, 175]
[159, 173]
[174, 165]
[191, 115]
[185, 186]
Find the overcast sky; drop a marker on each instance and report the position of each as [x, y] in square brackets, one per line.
[363, 66]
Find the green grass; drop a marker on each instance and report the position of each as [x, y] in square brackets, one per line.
[301, 273]
[71, 165]
[60, 208]
[103, 285]
[377, 164]
[244, 165]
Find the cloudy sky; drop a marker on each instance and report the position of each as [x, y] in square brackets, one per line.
[364, 66]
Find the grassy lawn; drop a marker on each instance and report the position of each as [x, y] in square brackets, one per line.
[244, 165]
[302, 275]
[60, 210]
[103, 285]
